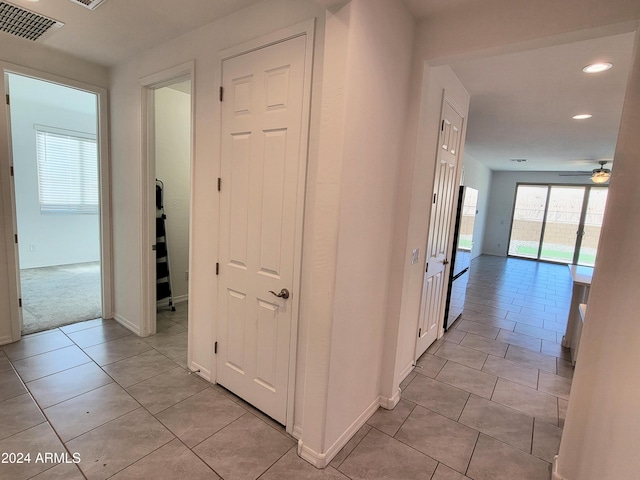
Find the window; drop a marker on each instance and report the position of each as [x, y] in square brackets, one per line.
[67, 171]
[557, 223]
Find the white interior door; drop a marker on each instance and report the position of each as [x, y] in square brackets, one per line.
[261, 160]
[444, 189]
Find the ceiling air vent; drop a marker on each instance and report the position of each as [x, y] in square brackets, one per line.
[25, 23]
[90, 4]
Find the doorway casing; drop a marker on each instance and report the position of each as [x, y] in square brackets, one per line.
[149, 84]
[9, 213]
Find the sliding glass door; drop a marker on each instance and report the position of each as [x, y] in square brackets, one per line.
[557, 223]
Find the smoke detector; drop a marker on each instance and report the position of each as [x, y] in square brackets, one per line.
[90, 4]
[24, 23]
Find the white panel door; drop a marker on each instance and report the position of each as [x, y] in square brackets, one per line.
[444, 189]
[261, 160]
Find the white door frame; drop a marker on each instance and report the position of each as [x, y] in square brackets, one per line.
[306, 28]
[9, 214]
[149, 84]
[451, 220]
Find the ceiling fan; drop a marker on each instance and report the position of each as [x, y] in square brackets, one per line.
[598, 175]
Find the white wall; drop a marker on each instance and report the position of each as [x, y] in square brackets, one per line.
[376, 84]
[173, 156]
[602, 429]
[477, 175]
[501, 202]
[48, 239]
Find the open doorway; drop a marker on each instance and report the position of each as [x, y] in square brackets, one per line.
[56, 170]
[172, 155]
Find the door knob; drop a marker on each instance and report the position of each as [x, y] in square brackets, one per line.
[445, 262]
[284, 293]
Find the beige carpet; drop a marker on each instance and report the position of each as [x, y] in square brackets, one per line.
[60, 295]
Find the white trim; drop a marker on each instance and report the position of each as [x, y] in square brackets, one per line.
[148, 84]
[307, 29]
[390, 403]
[321, 460]
[6, 183]
[554, 470]
[6, 339]
[125, 322]
[297, 432]
[199, 370]
[181, 298]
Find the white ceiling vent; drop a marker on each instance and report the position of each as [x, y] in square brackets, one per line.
[90, 4]
[25, 23]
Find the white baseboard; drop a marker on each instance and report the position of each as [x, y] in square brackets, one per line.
[201, 371]
[6, 340]
[181, 298]
[127, 323]
[390, 403]
[554, 470]
[297, 432]
[321, 460]
[406, 371]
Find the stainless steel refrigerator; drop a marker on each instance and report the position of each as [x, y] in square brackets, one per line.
[461, 255]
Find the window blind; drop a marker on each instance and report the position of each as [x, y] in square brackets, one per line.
[67, 171]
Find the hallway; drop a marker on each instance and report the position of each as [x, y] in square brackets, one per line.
[486, 401]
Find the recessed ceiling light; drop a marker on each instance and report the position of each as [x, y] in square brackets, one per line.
[597, 67]
[33, 1]
[582, 116]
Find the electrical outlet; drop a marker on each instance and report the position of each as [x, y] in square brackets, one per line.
[415, 256]
[186, 276]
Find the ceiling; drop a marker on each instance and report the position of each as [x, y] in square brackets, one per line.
[121, 29]
[521, 103]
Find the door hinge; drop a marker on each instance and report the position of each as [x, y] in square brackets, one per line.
[434, 197]
[16, 237]
[7, 99]
[219, 184]
[12, 170]
[427, 268]
[442, 127]
[215, 348]
[221, 93]
[217, 269]
[20, 302]
[419, 332]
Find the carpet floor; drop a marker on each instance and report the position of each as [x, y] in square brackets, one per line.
[60, 295]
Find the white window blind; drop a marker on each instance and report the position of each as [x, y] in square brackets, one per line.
[67, 171]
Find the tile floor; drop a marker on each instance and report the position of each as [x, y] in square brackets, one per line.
[485, 402]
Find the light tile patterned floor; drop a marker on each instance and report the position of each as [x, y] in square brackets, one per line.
[486, 402]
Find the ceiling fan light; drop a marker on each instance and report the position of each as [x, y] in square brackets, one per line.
[600, 177]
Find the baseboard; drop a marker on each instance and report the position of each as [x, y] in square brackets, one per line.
[554, 470]
[390, 403]
[321, 460]
[181, 299]
[127, 323]
[6, 340]
[405, 373]
[200, 371]
[297, 432]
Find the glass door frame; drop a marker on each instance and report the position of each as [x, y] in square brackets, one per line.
[581, 226]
